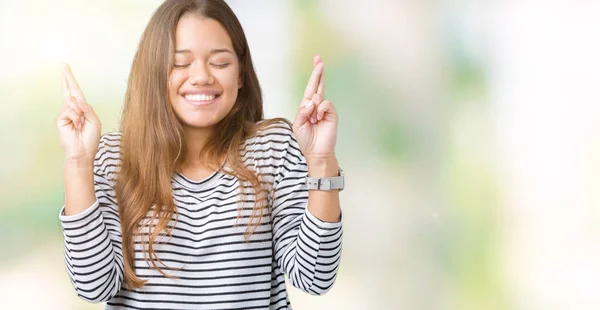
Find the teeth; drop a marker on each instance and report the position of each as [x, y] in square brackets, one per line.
[199, 97]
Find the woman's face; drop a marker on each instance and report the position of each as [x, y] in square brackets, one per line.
[204, 82]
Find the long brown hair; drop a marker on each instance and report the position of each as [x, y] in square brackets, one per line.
[152, 144]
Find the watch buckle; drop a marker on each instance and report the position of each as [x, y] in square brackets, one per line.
[324, 184]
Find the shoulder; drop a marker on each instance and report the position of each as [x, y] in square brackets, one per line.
[273, 139]
[110, 140]
[276, 132]
[108, 157]
[275, 128]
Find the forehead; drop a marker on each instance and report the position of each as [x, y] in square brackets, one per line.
[200, 34]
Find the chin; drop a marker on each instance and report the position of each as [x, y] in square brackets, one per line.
[199, 124]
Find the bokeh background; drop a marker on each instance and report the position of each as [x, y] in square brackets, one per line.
[469, 132]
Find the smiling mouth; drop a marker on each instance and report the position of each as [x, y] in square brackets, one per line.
[200, 100]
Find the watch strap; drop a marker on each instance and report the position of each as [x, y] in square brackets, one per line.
[326, 184]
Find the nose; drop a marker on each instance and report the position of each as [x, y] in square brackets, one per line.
[200, 75]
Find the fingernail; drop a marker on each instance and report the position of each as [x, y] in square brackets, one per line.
[319, 116]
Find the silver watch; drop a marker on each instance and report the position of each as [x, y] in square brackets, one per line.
[326, 184]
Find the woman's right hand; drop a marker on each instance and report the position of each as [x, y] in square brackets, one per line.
[78, 125]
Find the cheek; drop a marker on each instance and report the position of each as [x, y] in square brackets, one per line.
[230, 80]
[175, 82]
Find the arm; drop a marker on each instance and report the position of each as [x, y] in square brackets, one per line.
[307, 227]
[92, 231]
[306, 247]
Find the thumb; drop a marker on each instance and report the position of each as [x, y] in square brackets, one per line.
[304, 113]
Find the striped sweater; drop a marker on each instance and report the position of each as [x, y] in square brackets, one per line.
[214, 267]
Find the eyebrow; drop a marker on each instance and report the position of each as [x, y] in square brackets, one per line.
[212, 52]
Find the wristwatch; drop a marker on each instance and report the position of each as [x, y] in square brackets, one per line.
[326, 184]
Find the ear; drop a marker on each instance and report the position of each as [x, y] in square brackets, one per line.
[240, 81]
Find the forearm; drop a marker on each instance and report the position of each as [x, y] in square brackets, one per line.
[79, 186]
[93, 253]
[91, 257]
[308, 250]
[325, 205]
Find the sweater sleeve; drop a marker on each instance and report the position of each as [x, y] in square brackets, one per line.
[92, 238]
[307, 249]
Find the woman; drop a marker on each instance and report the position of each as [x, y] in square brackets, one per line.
[199, 203]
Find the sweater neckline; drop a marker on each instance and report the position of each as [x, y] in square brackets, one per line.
[194, 185]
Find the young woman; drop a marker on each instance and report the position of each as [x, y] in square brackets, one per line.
[199, 203]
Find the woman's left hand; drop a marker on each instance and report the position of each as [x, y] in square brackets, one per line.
[315, 126]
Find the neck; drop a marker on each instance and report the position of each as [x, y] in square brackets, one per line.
[195, 139]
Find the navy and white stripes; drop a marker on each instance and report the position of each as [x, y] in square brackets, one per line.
[214, 266]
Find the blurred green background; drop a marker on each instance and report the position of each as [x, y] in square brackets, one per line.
[469, 133]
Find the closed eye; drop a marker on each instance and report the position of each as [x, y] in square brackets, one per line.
[224, 65]
[214, 65]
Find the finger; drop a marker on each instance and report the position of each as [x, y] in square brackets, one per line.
[65, 87]
[326, 107]
[316, 60]
[67, 91]
[65, 106]
[69, 117]
[88, 113]
[72, 83]
[313, 81]
[321, 87]
[317, 99]
[74, 118]
[71, 102]
[303, 114]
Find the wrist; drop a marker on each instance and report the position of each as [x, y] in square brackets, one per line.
[79, 163]
[322, 167]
